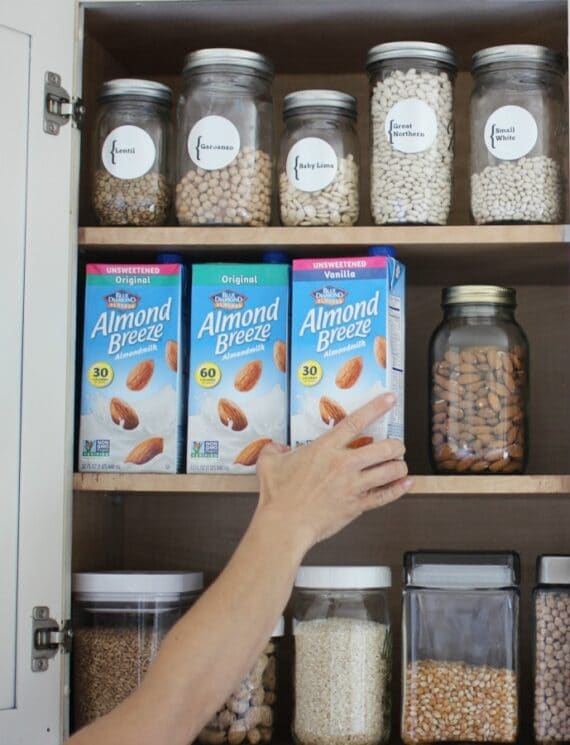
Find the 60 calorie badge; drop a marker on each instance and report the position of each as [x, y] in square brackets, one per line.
[310, 372]
[208, 375]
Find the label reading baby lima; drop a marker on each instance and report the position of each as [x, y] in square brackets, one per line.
[312, 164]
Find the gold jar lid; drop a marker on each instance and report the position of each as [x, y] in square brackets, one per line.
[482, 294]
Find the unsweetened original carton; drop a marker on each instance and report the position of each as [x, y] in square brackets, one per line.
[347, 343]
[132, 386]
[238, 392]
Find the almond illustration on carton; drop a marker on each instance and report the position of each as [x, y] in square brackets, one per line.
[249, 455]
[123, 413]
[280, 356]
[349, 372]
[145, 451]
[229, 412]
[248, 375]
[171, 354]
[330, 411]
[380, 350]
[140, 375]
[360, 442]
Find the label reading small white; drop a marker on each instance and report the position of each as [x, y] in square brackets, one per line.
[411, 126]
[511, 132]
[311, 164]
[213, 142]
[128, 152]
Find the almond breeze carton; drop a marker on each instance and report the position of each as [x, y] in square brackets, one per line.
[132, 387]
[238, 365]
[347, 343]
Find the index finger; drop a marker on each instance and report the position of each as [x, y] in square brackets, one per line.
[355, 423]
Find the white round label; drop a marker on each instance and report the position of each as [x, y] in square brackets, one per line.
[510, 132]
[213, 142]
[311, 164]
[128, 152]
[411, 126]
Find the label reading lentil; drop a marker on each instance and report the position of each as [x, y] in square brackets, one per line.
[312, 164]
[213, 143]
[411, 126]
[128, 152]
[510, 133]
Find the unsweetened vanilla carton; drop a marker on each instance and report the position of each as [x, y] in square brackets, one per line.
[238, 392]
[132, 383]
[347, 344]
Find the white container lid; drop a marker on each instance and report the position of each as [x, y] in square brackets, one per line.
[343, 577]
[553, 570]
[461, 576]
[130, 586]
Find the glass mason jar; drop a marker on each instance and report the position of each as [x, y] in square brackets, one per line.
[478, 383]
[319, 159]
[460, 648]
[518, 135]
[131, 179]
[342, 655]
[248, 715]
[119, 620]
[411, 126]
[552, 650]
[225, 138]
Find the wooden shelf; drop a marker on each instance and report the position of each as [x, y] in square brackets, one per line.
[220, 484]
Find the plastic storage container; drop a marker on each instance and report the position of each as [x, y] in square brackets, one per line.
[131, 179]
[248, 715]
[552, 650]
[225, 136]
[478, 383]
[120, 618]
[319, 161]
[342, 655]
[412, 130]
[460, 648]
[518, 135]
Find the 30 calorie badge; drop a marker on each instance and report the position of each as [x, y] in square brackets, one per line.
[208, 375]
[100, 374]
[310, 373]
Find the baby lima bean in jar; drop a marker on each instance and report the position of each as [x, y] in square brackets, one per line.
[248, 715]
[411, 124]
[518, 135]
[131, 179]
[460, 648]
[225, 135]
[119, 621]
[478, 383]
[342, 655]
[318, 165]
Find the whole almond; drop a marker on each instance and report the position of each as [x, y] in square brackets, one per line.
[331, 412]
[249, 455]
[380, 350]
[229, 412]
[280, 356]
[123, 414]
[145, 451]
[140, 375]
[248, 376]
[349, 372]
[171, 354]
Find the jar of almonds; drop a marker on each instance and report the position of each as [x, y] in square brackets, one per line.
[318, 166]
[479, 383]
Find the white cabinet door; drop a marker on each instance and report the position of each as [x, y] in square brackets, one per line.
[37, 288]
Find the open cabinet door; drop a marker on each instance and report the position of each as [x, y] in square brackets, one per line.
[37, 288]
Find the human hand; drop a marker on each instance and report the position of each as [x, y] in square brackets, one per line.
[319, 489]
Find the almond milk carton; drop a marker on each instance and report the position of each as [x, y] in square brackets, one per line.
[132, 386]
[238, 365]
[347, 343]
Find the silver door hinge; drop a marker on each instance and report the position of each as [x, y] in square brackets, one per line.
[59, 106]
[48, 638]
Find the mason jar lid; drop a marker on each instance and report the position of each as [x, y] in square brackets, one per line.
[460, 570]
[319, 98]
[133, 586]
[422, 50]
[479, 294]
[553, 570]
[135, 87]
[222, 56]
[519, 54]
[343, 577]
